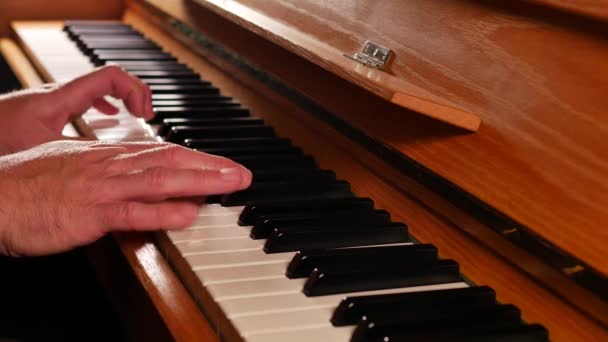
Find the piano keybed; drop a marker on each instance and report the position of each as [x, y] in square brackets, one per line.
[297, 256]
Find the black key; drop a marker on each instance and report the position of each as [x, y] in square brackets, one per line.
[162, 113]
[133, 54]
[143, 67]
[255, 210]
[143, 44]
[263, 191]
[77, 36]
[206, 122]
[177, 134]
[318, 220]
[288, 173]
[74, 31]
[110, 37]
[247, 150]
[157, 64]
[304, 262]
[255, 162]
[218, 143]
[144, 74]
[184, 89]
[176, 81]
[350, 280]
[118, 59]
[212, 101]
[435, 327]
[337, 236]
[351, 309]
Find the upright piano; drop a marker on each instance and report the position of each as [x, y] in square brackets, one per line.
[423, 170]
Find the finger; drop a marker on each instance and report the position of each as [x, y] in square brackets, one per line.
[131, 147]
[147, 216]
[160, 183]
[78, 95]
[174, 156]
[105, 107]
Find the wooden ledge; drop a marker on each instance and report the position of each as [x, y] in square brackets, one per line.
[389, 87]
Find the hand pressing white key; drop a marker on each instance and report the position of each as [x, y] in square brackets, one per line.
[35, 116]
[65, 194]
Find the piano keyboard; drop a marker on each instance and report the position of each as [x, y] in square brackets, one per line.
[297, 257]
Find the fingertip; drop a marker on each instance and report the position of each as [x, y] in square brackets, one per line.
[239, 176]
[247, 177]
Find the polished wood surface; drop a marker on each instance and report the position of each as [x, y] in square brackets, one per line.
[391, 190]
[597, 9]
[57, 10]
[321, 51]
[538, 83]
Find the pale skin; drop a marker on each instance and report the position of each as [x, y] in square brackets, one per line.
[58, 194]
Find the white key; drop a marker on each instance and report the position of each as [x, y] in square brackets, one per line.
[217, 260]
[240, 273]
[236, 244]
[239, 307]
[217, 209]
[254, 288]
[208, 233]
[230, 219]
[322, 334]
[272, 322]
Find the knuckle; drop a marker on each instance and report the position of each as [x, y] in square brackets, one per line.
[112, 70]
[172, 154]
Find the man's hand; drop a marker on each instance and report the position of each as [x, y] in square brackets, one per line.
[65, 194]
[33, 117]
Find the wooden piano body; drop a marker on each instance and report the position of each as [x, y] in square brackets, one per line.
[521, 204]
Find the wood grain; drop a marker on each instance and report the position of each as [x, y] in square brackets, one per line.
[56, 10]
[538, 82]
[390, 189]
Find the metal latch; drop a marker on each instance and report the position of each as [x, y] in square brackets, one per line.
[372, 55]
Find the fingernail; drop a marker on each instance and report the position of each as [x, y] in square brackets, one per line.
[231, 174]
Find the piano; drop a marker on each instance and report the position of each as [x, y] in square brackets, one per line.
[454, 188]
